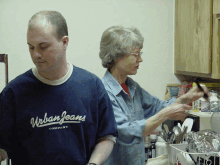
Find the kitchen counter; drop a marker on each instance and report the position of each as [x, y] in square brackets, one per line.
[201, 114]
[204, 119]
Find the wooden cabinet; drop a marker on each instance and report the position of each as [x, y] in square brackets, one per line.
[216, 41]
[197, 30]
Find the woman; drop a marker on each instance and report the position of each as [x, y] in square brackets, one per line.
[137, 113]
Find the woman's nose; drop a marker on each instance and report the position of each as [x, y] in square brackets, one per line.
[140, 59]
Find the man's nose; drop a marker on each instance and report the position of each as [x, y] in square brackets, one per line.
[37, 53]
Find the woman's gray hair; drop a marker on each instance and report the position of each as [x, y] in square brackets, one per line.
[117, 41]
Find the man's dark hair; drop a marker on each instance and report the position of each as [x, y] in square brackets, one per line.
[56, 19]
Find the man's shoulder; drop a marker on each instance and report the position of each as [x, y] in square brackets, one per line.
[83, 79]
[22, 78]
[82, 74]
[20, 83]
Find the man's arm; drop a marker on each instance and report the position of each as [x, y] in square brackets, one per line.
[107, 132]
[102, 151]
[6, 123]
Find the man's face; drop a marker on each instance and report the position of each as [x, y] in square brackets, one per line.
[45, 49]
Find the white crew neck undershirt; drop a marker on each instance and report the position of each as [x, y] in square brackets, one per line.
[54, 82]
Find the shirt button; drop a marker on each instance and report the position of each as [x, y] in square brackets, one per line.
[139, 155]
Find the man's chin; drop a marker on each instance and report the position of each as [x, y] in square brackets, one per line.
[41, 68]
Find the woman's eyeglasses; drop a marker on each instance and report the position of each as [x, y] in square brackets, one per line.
[137, 54]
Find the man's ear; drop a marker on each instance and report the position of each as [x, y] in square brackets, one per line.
[65, 41]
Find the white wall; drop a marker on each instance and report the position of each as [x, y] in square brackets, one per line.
[86, 20]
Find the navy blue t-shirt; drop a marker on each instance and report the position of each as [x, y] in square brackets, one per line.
[54, 125]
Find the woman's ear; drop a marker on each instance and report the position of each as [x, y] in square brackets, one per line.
[65, 41]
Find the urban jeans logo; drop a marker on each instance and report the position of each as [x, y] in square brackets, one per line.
[38, 122]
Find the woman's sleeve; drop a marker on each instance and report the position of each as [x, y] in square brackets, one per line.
[129, 131]
[152, 104]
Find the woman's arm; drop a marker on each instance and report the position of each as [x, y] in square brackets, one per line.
[193, 95]
[175, 111]
[157, 111]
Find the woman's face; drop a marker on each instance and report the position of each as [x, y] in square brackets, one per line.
[129, 64]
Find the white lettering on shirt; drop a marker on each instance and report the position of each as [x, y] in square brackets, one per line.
[64, 118]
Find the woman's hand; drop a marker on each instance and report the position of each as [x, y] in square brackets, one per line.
[176, 111]
[192, 95]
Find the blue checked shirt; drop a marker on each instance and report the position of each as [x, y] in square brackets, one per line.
[130, 114]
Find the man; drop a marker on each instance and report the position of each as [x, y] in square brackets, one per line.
[55, 113]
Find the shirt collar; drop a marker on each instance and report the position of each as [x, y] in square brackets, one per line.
[54, 82]
[114, 85]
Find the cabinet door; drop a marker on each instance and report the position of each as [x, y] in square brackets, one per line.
[193, 28]
[216, 40]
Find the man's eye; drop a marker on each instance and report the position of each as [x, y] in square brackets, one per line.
[32, 48]
[43, 47]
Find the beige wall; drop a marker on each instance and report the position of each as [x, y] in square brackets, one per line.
[86, 20]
